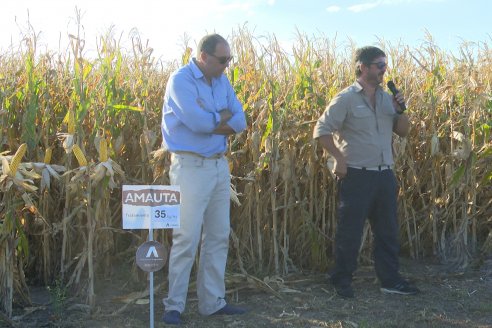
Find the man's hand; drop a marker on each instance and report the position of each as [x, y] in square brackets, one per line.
[225, 115]
[397, 100]
[340, 168]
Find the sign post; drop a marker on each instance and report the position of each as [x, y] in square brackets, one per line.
[149, 207]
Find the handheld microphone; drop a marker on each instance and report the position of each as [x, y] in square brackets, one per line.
[394, 91]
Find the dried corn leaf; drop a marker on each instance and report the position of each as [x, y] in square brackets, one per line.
[234, 195]
[53, 172]
[25, 184]
[98, 173]
[5, 166]
[45, 179]
[434, 145]
[109, 168]
[67, 141]
[29, 174]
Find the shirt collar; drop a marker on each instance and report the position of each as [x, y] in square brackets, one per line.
[358, 87]
[197, 72]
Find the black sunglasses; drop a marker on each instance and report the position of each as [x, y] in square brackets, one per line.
[379, 65]
[222, 60]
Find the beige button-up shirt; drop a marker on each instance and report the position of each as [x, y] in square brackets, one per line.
[363, 134]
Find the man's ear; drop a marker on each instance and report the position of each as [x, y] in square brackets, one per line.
[203, 56]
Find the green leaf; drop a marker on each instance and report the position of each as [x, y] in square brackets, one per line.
[235, 74]
[488, 177]
[87, 70]
[127, 107]
[268, 129]
[23, 244]
[458, 174]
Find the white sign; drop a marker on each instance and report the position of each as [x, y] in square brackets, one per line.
[143, 203]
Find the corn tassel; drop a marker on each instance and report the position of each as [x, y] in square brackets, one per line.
[16, 159]
[103, 150]
[47, 155]
[79, 155]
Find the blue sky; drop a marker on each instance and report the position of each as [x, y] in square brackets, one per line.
[164, 23]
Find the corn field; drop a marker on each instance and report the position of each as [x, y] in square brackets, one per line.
[74, 129]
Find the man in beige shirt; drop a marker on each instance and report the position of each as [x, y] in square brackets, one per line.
[357, 130]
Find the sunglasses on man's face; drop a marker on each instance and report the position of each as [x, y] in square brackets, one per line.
[222, 60]
[379, 65]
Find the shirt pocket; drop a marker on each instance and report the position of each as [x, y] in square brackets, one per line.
[362, 112]
[387, 107]
[362, 119]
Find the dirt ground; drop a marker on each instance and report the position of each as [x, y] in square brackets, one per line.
[448, 299]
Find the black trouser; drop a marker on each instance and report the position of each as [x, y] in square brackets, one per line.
[373, 195]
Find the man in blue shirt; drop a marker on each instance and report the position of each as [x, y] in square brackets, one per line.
[200, 111]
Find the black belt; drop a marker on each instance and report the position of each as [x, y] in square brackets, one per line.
[374, 168]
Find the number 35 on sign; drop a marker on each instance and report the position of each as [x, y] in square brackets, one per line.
[145, 203]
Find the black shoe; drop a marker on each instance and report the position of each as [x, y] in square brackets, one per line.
[345, 291]
[402, 288]
[172, 317]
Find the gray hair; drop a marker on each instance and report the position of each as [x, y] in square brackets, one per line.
[209, 43]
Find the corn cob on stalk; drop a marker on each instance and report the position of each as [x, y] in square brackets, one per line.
[16, 159]
[71, 122]
[47, 155]
[103, 150]
[79, 155]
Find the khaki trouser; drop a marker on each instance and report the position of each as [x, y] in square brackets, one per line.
[204, 214]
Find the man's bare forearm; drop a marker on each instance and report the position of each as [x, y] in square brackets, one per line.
[223, 127]
[328, 143]
[402, 125]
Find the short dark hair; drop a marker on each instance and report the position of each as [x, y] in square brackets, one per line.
[209, 42]
[366, 55]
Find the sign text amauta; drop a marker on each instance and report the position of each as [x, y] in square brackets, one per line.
[143, 203]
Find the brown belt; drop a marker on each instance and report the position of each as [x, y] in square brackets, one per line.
[214, 156]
